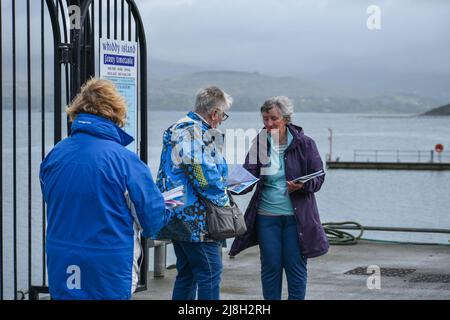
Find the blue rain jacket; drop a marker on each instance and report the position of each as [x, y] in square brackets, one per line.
[99, 196]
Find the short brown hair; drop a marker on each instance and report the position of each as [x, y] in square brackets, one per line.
[99, 97]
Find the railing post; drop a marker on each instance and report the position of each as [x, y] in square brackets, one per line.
[431, 156]
[330, 138]
[159, 259]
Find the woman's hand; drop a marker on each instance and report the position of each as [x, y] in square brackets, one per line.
[293, 186]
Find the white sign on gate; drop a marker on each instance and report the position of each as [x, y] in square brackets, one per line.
[118, 63]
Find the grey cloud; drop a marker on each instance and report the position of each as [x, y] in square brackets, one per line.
[305, 35]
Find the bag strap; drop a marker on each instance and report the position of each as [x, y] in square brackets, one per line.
[206, 200]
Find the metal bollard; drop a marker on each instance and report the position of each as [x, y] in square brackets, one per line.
[159, 259]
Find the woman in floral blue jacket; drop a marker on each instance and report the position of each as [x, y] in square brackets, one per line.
[191, 156]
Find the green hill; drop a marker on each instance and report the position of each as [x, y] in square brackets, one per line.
[250, 90]
[440, 111]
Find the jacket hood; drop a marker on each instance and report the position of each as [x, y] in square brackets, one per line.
[100, 127]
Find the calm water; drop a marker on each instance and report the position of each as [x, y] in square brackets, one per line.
[373, 198]
[419, 199]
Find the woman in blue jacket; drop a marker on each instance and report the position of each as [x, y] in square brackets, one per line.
[99, 196]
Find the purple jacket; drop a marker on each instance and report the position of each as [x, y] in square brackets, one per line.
[301, 158]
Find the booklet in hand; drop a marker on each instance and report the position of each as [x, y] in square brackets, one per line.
[170, 197]
[308, 177]
[240, 179]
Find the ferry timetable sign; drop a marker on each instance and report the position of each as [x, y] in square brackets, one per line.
[118, 63]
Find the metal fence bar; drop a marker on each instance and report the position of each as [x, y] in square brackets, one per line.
[136, 33]
[108, 25]
[129, 23]
[57, 132]
[395, 229]
[84, 52]
[142, 101]
[93, 36]
[30, 270]
[44, 266]
[411, 152]
[54, 14]
[388, 151]
[1, 153]
[419, 155]
[67, 70]
[115, 19]
[100, 11]
[122, 20]
[13, 8]
[144, 157]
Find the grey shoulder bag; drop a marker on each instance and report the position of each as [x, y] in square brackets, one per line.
[224, 222]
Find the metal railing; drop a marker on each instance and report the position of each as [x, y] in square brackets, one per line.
[43, 62]
[30, 94]
[373, 155]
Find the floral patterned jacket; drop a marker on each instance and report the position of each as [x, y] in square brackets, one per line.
[191, 156]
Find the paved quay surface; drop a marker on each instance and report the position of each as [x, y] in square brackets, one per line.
[408, 271]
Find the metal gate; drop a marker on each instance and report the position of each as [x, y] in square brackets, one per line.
[48, 49]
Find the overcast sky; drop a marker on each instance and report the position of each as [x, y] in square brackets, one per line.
[299, 36]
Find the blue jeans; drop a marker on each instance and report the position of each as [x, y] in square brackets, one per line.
[199, 267]
[280, 249]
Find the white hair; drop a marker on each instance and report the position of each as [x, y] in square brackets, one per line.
[284, 105]
[212, 97]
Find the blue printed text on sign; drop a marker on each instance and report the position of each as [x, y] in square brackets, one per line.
[116, 60]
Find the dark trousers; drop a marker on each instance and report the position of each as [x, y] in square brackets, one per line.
[199, 266]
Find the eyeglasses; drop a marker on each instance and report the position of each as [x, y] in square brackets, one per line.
[224, 116]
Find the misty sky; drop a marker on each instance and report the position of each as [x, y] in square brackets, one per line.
[325, 42]
[300, 37]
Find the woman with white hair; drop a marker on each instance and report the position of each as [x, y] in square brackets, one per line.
[192, 157]
[282, 216]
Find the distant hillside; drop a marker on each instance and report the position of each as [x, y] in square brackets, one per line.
[158, 69]
[379, 80]
[173, 86]
[249, 91]
[440, 111]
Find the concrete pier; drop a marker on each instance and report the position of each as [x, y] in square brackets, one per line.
[407, 272]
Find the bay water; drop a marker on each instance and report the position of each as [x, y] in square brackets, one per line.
[390, 198]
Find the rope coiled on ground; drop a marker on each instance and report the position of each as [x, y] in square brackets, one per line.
[339, 237]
